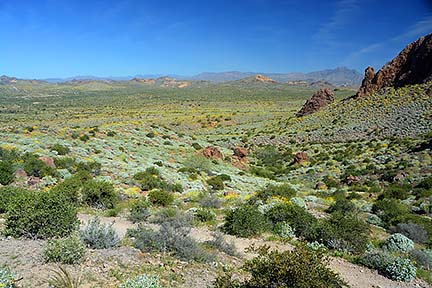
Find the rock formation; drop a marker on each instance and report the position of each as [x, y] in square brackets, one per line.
[413, 65]
[212, 153]
[320, 99]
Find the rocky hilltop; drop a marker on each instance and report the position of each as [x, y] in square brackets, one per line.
[320, 99]
[413, 65]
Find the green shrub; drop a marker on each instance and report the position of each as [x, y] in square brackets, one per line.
[398, 243]
[9, 155]
[300, 268]
[99, 194]
[71, 188]
[66, 251]
[65, 163]
[161, 197]
[7, 278]
[425, 183]
[99, 236]
[245, 221]
[283, 190]
[7, 195]
[204, 215]
[139, 211]
[60, 149]
[342, 205]
[303, 223]
[377, 260]
[216, 183]
[391, 211]
[90, 167]
[396, 191]
[345, 232]
[40, 215]
[6, 173]
[284, 230]
[142, 281]
[33, 166]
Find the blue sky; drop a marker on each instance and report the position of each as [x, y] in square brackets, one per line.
[55, 38]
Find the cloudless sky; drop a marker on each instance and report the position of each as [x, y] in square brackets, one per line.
[61, 38]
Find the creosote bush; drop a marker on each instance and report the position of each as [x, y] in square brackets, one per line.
[6, 173]
[245, 221]
[99, 194]
[69, 250]
[300, 268]
[40, 215]
[283, 190]
[99, 236]
[161, 197]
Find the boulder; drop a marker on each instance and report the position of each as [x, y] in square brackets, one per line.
[300, 158]
[413, 65]
[240, 152]
[212, 153]
[320, 99]
[48, 161]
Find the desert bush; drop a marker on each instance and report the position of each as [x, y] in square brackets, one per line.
[172, 237]
[7, 195]
[139, 211]
[7, 278]
[6, 173]
[283, 190]
[245, 221]
[284, 230]
[425, 183]
[218, 242]
[393, 267]
[210, 201]
[342, 205]
[422, 258]
[344, 232]
[69, 250]
[33, 166]
[303, 223]
[396, 191]
[65, 163]
[300, 268]
[70, 188]
[60, 149]
[398, 243]
[40, 215]
[262, 172]
[99, 236]
[91, 167]
[142, 281]
[170, 214]
[415, 232]
[400, 269]
[9, 155]
[160, 197]
[99, 194]
[216, 183]
[204, 215]
[391, 211]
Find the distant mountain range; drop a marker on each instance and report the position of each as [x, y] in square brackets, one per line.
[341, 76]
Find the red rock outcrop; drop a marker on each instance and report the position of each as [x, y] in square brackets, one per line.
[300, 157]
[240, 152]
[48, 161]
[212, 153]
[413, 65]
[320, 99]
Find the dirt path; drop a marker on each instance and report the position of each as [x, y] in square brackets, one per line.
[356, 276]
